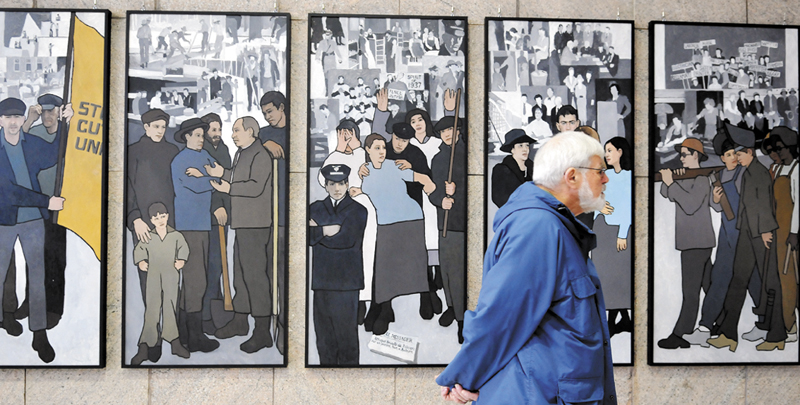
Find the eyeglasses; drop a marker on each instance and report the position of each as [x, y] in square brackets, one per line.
[600, 171]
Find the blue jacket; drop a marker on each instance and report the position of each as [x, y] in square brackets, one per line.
[539, 332]
[192, 194]
[39, 155]
[338, 263]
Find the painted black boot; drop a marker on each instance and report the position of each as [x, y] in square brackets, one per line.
[198, 342]
[262, 336]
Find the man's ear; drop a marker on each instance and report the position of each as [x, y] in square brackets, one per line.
[572, 177]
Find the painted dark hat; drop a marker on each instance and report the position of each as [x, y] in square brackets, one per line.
[335, 173]
[722, 143]
[741, 137]
[403, 130]
[188, 126]
[514, 137]
[12, 106]
[154, 115]
[786, 135]
[50, 101]
[447, 122]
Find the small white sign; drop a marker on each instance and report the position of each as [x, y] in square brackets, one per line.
[396, 346]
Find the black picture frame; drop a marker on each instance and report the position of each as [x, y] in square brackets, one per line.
[272, 63]
[671, 101]
[315, 162]
[64, 241]
[501, 35]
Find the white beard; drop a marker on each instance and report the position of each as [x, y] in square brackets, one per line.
[588, 202]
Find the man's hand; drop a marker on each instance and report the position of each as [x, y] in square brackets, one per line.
[67, 112]
[223, 186]
[363, 171]
[141, 229]
[458, 394]
[622, 244]
[179, 264]
[192, 172]
[143, 265]
[214, 170]
[355, 191]
[791, 240]
[449, 188]
[56, 203]
[449, 99]
[274, 149]
[34, 112]
[221, 215]
[447, 203]
[607, 209]
[716, 196]
[666, 176]
[330, 230]
[383, 99]
[402, 164]
[766, 237]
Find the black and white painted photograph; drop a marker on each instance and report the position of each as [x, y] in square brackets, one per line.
[53, 134]
[723, 194]
[387, 190]
[544, 77]
[207, 145]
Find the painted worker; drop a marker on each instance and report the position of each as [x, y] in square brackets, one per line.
[23, 211]
[336, 231]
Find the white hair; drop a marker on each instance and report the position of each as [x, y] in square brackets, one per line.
[565, 150]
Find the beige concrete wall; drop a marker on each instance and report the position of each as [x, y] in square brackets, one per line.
[640, 384]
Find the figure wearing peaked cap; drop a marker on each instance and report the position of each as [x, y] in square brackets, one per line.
[755, 220]
[23, 211]
[336, 231]
[55, 250]
[694, 238]
[780, 144]
[192, 220]
[515, 169]
[408, 156]
[149, 180]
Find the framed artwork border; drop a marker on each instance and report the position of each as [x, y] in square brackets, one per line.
[284, 296]
[487, 129]
[465, 120]
[104, 179]
[651, 181]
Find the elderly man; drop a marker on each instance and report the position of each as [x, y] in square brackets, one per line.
[249, 184]
[539, 333]
[23, 210]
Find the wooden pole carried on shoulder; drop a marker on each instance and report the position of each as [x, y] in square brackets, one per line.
[452, 157]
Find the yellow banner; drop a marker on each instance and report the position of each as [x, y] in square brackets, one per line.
[82, 185]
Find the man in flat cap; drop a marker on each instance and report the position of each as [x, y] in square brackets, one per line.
[192, 220]
[249, 183]
[515, 169]
[53, 113]
[694, 235]
[23, 210]
[754, 249]
[149, 181]
[451, 195]
[336, 232]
